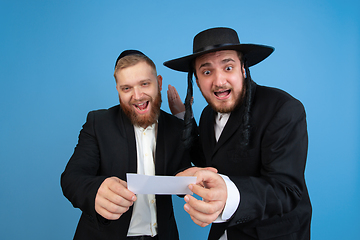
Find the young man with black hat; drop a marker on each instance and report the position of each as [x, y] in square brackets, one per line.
[255, 136]
[133, 137]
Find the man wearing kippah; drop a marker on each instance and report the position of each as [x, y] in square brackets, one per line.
[255, 136]
[133, 137]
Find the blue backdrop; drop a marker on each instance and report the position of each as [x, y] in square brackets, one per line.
[56, 64]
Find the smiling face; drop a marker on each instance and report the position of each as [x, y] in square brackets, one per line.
[220, 77]
[139, 93]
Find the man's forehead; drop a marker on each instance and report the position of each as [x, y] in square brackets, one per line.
[136, 73]
[217, 54]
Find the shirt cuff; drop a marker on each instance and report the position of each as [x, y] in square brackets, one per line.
[232, 201]
[180, 115]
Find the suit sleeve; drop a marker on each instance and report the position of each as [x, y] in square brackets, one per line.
[79, 181]
[281, 183]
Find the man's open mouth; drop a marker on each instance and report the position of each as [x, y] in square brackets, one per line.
[222, 94]
[142, 106]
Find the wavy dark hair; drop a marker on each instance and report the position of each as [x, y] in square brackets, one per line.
[246, 121]
[189, 131]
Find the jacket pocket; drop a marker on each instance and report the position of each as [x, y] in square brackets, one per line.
[281, 229]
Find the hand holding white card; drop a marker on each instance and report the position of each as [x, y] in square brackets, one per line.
[162, 185]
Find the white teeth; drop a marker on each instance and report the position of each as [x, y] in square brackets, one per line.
[141, 105]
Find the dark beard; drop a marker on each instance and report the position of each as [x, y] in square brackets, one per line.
[143, 121]
[237, 104]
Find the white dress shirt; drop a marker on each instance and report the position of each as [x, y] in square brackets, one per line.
[233, 198]
[143, 219]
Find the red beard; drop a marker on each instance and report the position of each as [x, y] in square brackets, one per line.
[143, 120]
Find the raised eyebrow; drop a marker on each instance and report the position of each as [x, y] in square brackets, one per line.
[145, 81]
[204, 65]
[226, 60]
[124, 86]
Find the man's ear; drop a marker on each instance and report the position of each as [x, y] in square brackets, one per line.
[159, 79]
[243, 71]
[116, 85]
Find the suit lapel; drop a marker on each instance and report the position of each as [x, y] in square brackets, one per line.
[230, 128]
[160, 163]
[128, 128]
[207, 133]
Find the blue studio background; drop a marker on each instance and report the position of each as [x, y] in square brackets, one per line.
[56, 64]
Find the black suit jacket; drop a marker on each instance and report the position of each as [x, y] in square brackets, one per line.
[274, 201]
[106, 148]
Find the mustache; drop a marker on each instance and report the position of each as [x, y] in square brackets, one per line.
[221, 88]
[143, 99]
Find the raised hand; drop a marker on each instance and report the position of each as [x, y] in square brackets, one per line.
[175, 104]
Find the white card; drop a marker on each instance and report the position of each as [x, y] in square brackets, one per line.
[162, 185]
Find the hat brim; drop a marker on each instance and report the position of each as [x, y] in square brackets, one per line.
[254, 53]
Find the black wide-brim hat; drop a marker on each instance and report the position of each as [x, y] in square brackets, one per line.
[217, 39]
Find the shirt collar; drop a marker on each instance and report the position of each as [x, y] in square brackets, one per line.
[148, 128]
[222, 116]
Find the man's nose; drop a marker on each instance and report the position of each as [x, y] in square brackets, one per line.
[137, 93]
[220, 79]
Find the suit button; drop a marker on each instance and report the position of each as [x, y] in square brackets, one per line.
[243, 220]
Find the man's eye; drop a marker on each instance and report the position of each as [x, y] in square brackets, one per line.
[229, 68]
[207, 72]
